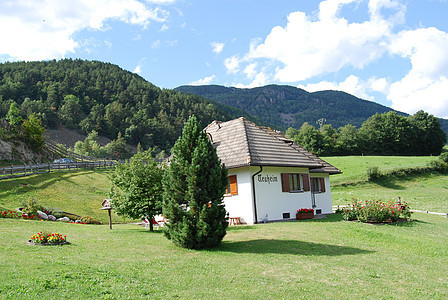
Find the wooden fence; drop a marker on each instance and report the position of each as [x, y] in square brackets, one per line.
[26, 170]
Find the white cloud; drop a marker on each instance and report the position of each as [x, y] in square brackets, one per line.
[203, 81]
[352, 85]
[166, 43]
[232, 64]
[259, 80]
[306, 47]
[250, 70]
[426, 84]
[164, 28]
[217, 47]
[138, 68]
[43, 29]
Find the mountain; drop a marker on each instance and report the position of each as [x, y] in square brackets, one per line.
[285, 106]
[92, 95]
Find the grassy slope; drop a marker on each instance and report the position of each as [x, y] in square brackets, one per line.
[424, 192]
[326, 258]
[79, 192]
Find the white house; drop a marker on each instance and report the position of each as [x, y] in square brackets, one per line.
[270, 177]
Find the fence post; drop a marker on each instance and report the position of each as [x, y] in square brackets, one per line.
[24, 168]
[11, 170]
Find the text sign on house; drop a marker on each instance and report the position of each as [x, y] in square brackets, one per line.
[267, 178]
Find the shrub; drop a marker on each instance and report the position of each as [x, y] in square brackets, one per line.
[444, 157]
[373, 173]
[349, 214]
[32, 206]
[377, 211]
[90, 220]
[438, 165]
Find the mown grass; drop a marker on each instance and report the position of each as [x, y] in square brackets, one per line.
[77, 192]
[428, 191]
[327, 258]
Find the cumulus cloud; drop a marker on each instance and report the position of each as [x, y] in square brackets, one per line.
[203, 81]
[43, 29]
[138, 68]
[306, 47]
[425, 86]
[312, 46]
[232, 64]
[217, 47]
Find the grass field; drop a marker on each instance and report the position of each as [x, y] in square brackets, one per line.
[321, 258]
[79, 192]
[423, 192]
[327, 258]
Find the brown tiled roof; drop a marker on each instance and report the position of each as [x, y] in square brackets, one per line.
[241, 143]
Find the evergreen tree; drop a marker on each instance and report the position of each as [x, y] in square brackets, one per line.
[194, 186]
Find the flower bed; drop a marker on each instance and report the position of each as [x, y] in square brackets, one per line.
[376, 211]
[305, 213]
[47, 239]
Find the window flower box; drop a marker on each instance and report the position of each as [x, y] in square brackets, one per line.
[305, 213]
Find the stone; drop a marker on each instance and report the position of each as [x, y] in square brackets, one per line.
[64, 219]
[42, 215]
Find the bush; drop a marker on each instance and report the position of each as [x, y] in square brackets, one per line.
[90, 220]
[377, 211]
[444, 157]
[373, 173]
[439, 166]
[32, 206]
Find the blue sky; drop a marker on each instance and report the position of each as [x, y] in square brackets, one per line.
[394, 52]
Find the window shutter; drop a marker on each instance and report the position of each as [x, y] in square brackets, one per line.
[322, 184]
[306, 182]
[233, 185]
[285, 182]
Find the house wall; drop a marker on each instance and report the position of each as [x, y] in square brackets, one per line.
[271, 201]
[241, 205]
[323, 200]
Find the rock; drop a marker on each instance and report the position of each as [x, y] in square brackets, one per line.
[64, 219]
[51, 217]
[42, 215]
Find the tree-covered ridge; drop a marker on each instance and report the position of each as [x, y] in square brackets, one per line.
[381, 134]
[92, 95]
[287, 106]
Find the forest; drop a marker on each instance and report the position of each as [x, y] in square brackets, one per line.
[284, 106]
[381, 134]
[95, 96]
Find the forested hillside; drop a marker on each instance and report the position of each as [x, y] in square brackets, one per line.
[287, 106]
[92, 95]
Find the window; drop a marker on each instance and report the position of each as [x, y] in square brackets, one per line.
[318, 185]
[295, 182]
[232, 186]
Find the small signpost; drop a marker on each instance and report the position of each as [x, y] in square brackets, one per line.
[106, 205]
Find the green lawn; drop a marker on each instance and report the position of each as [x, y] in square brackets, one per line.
[354, 167]
[423, 192]
[327, 258]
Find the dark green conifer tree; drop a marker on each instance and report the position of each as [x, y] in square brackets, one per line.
[194, 186]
